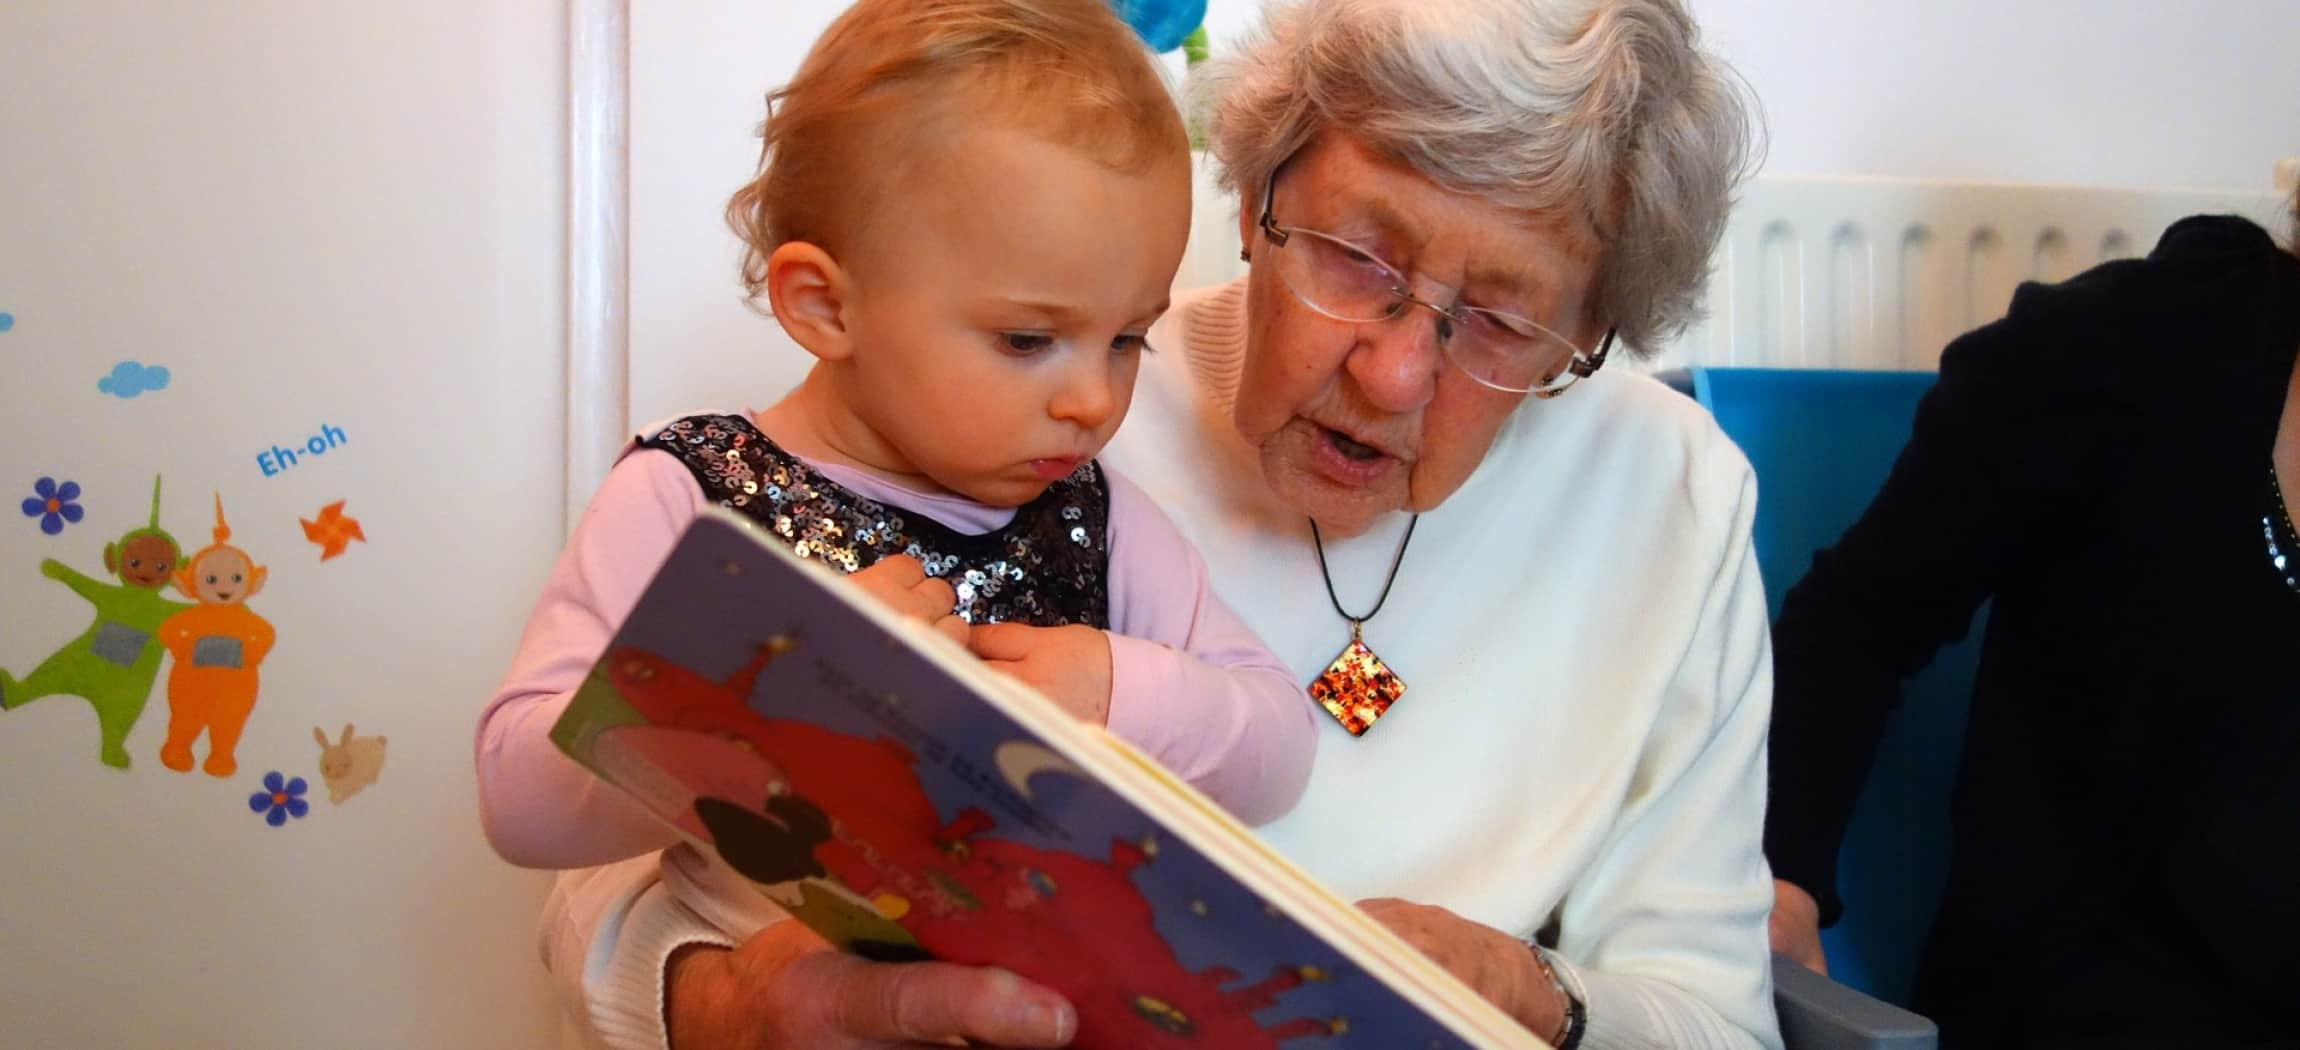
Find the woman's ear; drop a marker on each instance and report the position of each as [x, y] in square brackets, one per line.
[808, 291]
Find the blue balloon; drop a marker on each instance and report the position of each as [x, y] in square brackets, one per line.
[1163, 23]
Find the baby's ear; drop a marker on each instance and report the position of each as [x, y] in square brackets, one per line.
[112, 558]
[256, 580]
[808, 291]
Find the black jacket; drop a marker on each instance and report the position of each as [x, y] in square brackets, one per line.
[2126, 860]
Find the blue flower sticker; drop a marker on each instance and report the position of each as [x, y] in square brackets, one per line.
[1163, 23]
[281, 798]
[130, 378]
[54, 505]
[7, 321]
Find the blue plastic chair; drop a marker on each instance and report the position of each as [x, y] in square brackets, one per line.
[1822, 443]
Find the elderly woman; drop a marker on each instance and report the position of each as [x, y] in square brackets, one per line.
[1394, 441]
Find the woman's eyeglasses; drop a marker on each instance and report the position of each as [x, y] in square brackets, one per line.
[1347, 283]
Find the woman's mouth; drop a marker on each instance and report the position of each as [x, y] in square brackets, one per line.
[1353, 449]
[1348, 461]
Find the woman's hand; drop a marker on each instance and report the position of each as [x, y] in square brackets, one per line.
[1070, 664]
[786, 989]
[1795, 927]
[901, 583]
[1498, 966]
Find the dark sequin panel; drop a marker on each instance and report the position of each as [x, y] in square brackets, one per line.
[2283, 538]
[1046, 568]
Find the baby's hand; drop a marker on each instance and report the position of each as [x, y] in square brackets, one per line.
[1070, 664]
[902, 583]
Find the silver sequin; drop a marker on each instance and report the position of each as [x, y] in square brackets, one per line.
[1023, 573]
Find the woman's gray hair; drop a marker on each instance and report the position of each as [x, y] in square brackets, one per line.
[1606, 106]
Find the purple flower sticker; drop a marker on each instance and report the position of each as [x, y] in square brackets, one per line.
[54, 504]
[281, 798]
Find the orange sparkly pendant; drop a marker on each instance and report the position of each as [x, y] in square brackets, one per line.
[1357, 688]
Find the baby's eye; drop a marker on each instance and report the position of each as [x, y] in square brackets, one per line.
[135, 564]
[1132, 342]
[211, 577]
[236, 577]
[1025, 343]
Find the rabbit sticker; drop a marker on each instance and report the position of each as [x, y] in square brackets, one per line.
[349, 764]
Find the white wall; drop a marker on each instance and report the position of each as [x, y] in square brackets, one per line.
[2138, 93]
[2141, 93]
[699, 76]
[311, 212]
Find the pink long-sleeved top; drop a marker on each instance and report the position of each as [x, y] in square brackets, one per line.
[1191, 685]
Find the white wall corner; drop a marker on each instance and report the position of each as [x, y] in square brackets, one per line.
[598, 244]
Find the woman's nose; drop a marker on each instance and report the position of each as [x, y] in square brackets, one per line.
[1396, 362]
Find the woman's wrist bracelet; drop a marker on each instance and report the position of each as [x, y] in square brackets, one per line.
[1573, 1018]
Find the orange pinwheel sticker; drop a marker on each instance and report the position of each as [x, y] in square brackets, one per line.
[333, 531]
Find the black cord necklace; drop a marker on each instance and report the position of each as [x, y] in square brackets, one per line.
[1358, 688]
[2283, 538]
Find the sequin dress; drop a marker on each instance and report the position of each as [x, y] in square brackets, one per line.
[1049, 567]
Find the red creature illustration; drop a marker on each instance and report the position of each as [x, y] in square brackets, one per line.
[1056, 917]
[1061, 918]
[870, 787]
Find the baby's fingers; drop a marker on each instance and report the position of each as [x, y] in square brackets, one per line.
[950, 626]
[902, 583]
[1000, 642]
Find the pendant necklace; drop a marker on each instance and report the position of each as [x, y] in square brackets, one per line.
[1358, 688]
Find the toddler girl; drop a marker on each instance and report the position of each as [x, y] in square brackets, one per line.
[969, 212]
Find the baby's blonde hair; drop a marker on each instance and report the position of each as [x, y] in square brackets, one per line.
[889, 73]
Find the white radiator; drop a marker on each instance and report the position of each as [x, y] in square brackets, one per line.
[1866, 272]
[1882, 273]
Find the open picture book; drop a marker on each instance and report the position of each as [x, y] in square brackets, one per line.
[897, 796]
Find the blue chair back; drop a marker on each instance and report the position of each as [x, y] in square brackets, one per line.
[1822, 443]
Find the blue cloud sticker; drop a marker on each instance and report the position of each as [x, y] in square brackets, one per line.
[7, 321]
[130, 378]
